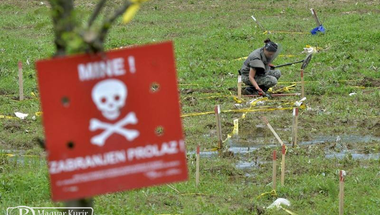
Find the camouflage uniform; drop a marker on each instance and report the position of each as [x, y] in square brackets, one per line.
[264, 77]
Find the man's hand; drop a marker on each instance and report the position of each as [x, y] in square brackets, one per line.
[260, 92]
[271, 66]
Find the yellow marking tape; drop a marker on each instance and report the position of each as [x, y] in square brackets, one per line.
[235, 131]
[315, 48]
[237, 111]
[303, 106]
[285, 32]
[7, 117]
[287, 55]
[272, 193]
[197, 114]
[241, 58]
[254, 102]
[237, 100]
[252, 105]
[189, 84]
[284, 89]
[132, 10]
[211, 149]
[282, 82]
[13, 155]
[13, 117]
[33, 95]
[288, 211]
[263, 108]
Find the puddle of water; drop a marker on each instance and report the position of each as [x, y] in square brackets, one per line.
[28, 160]
[342, 139]
[19, 157]
[242, 150]
[260, 142]
[246, 165]
[355, 156]
[237, 150]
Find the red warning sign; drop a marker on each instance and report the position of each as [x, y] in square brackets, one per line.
[112, 121]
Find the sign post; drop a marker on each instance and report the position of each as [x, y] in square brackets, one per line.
[112, 122]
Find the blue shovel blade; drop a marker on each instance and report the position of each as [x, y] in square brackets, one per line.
[319, 28]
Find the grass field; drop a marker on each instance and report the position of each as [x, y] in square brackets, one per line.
[211, 39]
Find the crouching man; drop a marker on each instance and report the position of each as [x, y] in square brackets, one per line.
[257, 72]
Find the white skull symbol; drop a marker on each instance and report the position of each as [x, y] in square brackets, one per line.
[109, 97]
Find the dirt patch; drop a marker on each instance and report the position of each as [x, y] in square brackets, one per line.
[228, 170]
[4, 92]
[190, 91]
[12, 126]
[370, 82]
[376, 129]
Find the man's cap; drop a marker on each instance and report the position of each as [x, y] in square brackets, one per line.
[271, 46]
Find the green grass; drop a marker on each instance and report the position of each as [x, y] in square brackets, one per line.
[209, 38]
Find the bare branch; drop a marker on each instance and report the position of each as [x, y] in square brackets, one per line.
[119, 12]
[62, 20]
[95, 14]
[107, 23]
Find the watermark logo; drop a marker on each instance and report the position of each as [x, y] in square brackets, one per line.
[25, 210]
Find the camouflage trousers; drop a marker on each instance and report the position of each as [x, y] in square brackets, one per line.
[264, 81]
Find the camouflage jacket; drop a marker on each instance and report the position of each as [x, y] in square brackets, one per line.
[256, 60]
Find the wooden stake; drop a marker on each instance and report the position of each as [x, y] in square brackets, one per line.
[283, 166]
[341, 192]
[273, 131]
[295, 126]
[236, 127]
[315, 16]
[302, 85]
[275, 95]
[197, 167]
[20, 82]
[239, 87]
[218, 126]
[274, 170]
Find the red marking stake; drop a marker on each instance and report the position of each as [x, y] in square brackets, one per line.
[274, 170]
[341, 192]
[283, 165]
[112, 122]
[197, 167]
[295, 126]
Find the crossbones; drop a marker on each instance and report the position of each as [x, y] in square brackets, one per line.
[129, 134]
